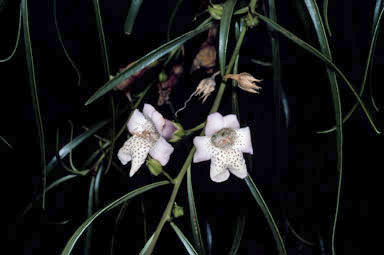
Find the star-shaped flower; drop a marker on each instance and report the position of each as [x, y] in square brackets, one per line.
[149, 133]
[224, 144]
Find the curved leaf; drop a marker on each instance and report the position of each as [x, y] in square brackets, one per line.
[322, 57]
[184, 240]
[72, 241]
[193, 215]
[63, 46]
[301, 239]
[64, 151]
[225, 24]
[88, 234]
[131, 17]
[145, 248]
[376, 14]
[147, 60]
[17, 40]
[35, 96]
[325, 14]
[117, 223]
[267, 214]
[240, 226]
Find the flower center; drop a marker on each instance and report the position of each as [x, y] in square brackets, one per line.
[224, 138]
[149, 133]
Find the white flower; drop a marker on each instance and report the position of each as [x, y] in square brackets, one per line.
[224, 144]
[148, 132]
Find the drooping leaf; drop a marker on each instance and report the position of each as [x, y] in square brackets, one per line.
[17, 40]
[325, 14]
[63, 46]
[225, 24]
[147, 60]
[240, 226]
[131, 17]
[267, 214]
[35, 96]
[188, 246]
[74, 238]
[301, 239]
[64, 151]
[322, 57]
[322, 37]
[193, 216]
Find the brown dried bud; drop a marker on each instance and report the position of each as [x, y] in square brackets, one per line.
[245, 81]
[206, 57]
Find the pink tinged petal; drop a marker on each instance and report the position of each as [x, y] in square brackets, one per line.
[218, 171]
[136, 121]
[168, 130]
[236, 164]
[148, 110]
[161, 151]
[215, 122]
[159, 121]
[243, 140]
[230, 121]
[203, 149]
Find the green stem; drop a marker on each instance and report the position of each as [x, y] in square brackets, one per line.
[192, 130]
[236, 50]
[178, 180]
[168, 176]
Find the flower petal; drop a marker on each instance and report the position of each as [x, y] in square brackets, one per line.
[158, 120]
[168, 130]
[236, 163]
[243, 140]
[135, 149]
[148, 110]
[230, 121]
[203, 149]
[218, 171]
[136, 122]
[215, 122]
[161, 151]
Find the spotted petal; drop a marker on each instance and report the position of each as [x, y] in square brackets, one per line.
[161, 151]
[135, 149]
[243, 140]
[219, 171]
[203, 149]
[215, 122]
[236, 163]
[137, 122]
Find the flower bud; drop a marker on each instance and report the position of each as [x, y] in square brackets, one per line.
[177, 211]
[163, 76]
[154, 166]
[178, 133]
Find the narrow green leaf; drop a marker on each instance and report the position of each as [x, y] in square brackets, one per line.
[132, 13]
[63, 46]
[6, 142]
[188, 246]
[301, 239]
[17, 40]
[240, 226]
[368, 66]
[75, 142]
[145, 248]
[72, 241]
[322, 57]
[119, 217]
[35, 97]
[325, 14]
[225, 24]
[267, 214]
[193, 215]
[322, 37]
[146, 60]
[97, 185]
[235, 101]
[104, 49]
[172, 18]
[88, 233]
[51, 186]
[376, 14]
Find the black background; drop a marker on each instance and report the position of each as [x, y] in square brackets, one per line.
[298, 179]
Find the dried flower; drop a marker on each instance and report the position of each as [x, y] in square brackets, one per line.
[206, 87]
[148, 131]
[245, 81]
[206, 57]
[224, 144]
[165, 87]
